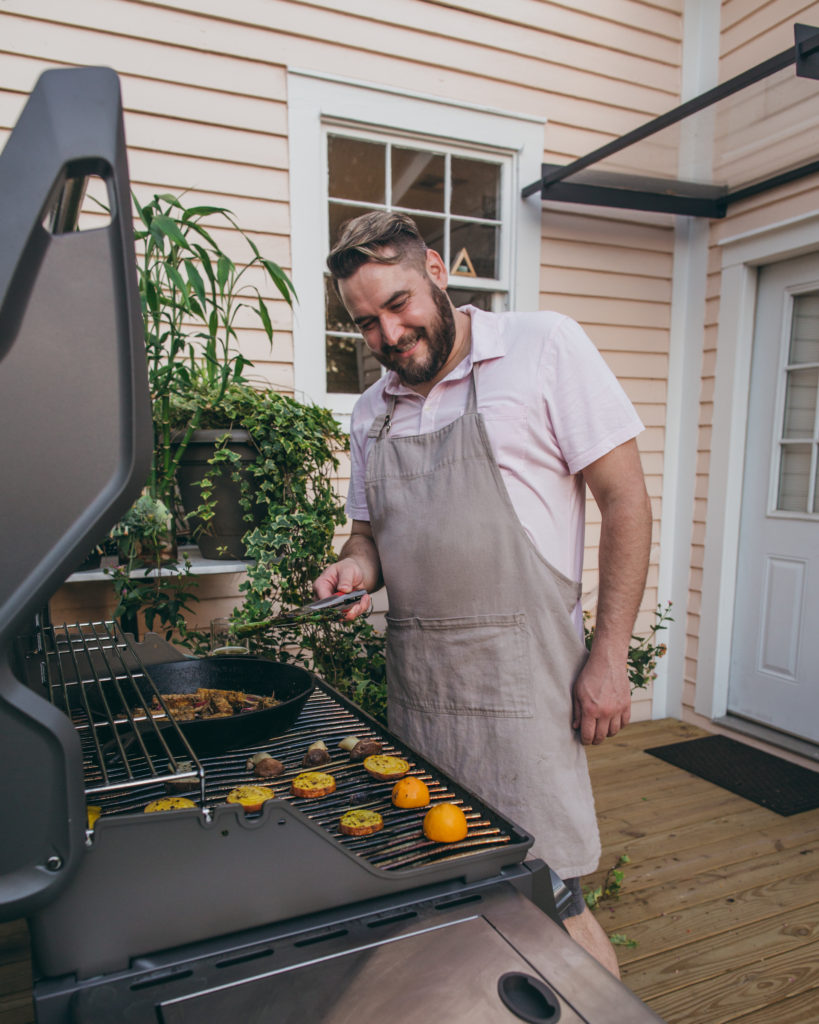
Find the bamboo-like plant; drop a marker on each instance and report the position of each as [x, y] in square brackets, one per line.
[192, 293]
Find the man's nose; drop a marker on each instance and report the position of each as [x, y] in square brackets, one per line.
[392, 329]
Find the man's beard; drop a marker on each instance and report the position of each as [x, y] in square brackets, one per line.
[440, 337]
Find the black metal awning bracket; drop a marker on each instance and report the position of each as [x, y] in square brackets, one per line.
[557, 181]
[807, 51]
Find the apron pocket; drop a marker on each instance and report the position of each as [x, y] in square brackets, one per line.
[478, 665]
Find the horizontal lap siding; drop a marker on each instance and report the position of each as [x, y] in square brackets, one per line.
[751, 31]
[204, 87]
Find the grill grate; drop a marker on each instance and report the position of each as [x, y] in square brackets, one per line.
[80, 666]
[122, 777]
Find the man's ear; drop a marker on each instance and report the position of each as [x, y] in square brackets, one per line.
[436, 268]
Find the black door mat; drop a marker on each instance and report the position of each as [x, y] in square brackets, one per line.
[767, 780]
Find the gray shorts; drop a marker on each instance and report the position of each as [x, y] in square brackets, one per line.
[571, 903]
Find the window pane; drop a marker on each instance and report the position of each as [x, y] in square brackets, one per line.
[351, 367]
[475, 188]
[805, 329]
[466, 297]
[417, 179]
[800, 403]
[336, 316]
[481, 244]
[794, 478]
[432, 231]
[357, 169]
[339, 214]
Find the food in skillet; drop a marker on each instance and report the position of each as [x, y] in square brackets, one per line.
[207, 703]
[313, 785]
[250, 797]
[360, 822]
[168, 803]
[385, 767]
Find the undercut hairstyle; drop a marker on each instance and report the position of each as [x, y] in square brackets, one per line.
[364, 239]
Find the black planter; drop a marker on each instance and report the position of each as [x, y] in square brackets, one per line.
[221, 538]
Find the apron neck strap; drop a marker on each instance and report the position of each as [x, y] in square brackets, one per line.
[381, 424]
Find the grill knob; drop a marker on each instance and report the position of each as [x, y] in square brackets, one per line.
[54, 863]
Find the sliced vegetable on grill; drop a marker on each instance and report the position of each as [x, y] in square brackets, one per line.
[385, 767]
[360, 822]
[169, 803]
[313, 785]
[250, 797]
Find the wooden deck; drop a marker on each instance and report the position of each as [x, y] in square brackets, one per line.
[720, 895]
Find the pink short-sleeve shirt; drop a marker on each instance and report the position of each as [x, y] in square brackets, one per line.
[551, 407]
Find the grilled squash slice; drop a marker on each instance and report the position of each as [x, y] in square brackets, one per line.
[312, 785]
[386, 767]
[360, 822]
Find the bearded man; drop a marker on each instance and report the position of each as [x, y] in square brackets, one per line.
[470, 459]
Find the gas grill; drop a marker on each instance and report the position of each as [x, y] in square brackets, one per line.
[208, 911]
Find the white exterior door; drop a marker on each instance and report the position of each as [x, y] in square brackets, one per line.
[774, 676]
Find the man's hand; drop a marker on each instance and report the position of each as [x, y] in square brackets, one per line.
[358, 568]
[601, 700]
[342, 577]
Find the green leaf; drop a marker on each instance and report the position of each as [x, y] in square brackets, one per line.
[618, 939]
[224, 269]
[171, 229]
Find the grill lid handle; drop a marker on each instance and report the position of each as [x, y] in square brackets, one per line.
[75, 413]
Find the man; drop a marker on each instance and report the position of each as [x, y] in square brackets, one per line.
[469, 465]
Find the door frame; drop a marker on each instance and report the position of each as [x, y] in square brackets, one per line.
[742, 254]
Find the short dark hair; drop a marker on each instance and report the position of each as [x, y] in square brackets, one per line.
[363, 240]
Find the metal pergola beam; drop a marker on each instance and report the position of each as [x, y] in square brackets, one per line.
[669, 195]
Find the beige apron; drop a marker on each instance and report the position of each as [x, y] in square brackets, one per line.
[481, 648]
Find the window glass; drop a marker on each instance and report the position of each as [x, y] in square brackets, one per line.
[800, 403]
[481, 244]
[475, 188]
[417, 179]
[794, 478]
[465, 297]
[356, 169]
[804, 347]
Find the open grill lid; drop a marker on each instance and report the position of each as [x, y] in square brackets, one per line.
[75, 418]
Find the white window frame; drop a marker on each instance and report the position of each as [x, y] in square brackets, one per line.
[318, 102]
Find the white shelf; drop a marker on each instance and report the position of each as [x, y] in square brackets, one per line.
[200, 566]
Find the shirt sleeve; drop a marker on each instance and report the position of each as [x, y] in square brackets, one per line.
[356, 504]
[590, 412]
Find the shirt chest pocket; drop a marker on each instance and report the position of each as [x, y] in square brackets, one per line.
[475, 665]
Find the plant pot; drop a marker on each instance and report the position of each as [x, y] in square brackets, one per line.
[221, 538]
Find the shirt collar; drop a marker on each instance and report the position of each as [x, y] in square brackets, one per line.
[487, 343]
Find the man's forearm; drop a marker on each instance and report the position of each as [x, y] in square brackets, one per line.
[625, 541]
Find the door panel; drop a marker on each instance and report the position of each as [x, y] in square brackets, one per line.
[775, 645]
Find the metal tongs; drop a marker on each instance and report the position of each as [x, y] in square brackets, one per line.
[327, 606]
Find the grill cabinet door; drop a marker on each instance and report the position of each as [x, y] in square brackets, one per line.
[76, 427]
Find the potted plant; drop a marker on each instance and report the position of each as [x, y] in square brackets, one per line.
[192, 293]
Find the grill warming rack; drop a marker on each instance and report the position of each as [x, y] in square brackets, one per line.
[120, 751]
[122, 776]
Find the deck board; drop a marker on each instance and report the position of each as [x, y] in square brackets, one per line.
[721, 895]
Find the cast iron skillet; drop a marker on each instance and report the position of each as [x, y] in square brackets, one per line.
[289, 683]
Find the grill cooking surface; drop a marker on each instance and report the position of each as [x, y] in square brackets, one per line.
[123, 774]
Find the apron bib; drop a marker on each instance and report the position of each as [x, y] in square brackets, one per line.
[481, 648]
